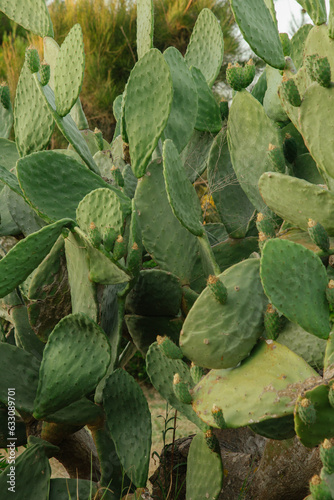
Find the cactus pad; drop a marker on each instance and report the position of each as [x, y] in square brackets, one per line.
[64, 381]
[275, 375]
[145, 23]
[181, 194]
[176, 251]
[206, 46]
[42, 123]
[204, 471]
[259, 30]
[208, 114]
[147, 107]
[69, 71]
[183, 112]
[129, 421]
[297, 200]
[33, 15]
[224, 337]
[296, 285]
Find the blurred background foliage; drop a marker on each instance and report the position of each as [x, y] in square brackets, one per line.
[109, 29]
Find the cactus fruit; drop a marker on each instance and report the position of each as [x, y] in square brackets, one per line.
[291, 92]
[307, 411]
[309, 63]
[273, 322]
[276, 159]
[44, 72]
[5, 96]
[218, 416]
[327, 456]
[290, 148]
[265, 225]
[211, 441]
[99, 139]
[319, 489]
[181, 390]
[32, 59]
[169, 348]
[318, 235]
[239, 77]
[286, 44]
[196, 372]
[217, 288]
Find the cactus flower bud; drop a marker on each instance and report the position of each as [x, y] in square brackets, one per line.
[32, 59]
[217, 288]
[44, 72]
[168, 347]
[181, 390]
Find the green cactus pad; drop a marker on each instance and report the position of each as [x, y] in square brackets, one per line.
[129, 421]
[51, 50]
[181, 194]
[145, 23]
[204, 471]
[147, 107]
[171, 245]
[276, 428]
[156, 293]
[42, 177]
[208, 113]
[20, 371]
[64, 381]
[296, 200]
[32, 474]
[249, 134]
[313, 434]
[275, 376]
[297, 44]
[296, 285]
[101, 206]
[232, 204]
[259, 30]
[82, 412]
[69, 71]
[206, 46]
[316, 131]
[33, 15]
[41, 123]
[220, 336]
[161, 371]
[271, 102]
[316, 9]
[144, 329]
[112, 473]
[61, 488]
[306, 345]
[22, 259]
[183, 112]
[318, 235]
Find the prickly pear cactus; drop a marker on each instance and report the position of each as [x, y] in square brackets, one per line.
[118, 233]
